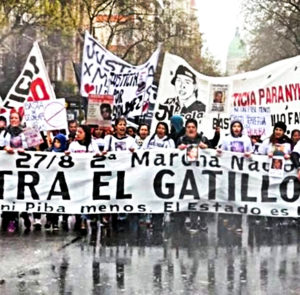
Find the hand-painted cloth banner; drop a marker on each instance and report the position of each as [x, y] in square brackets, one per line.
[33, 84]
[104, 73]
[153, 181]
[210, 100]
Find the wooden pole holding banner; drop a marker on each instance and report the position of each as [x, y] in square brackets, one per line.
[77, 70]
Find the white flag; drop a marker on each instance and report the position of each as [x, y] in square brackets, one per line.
[33, 84]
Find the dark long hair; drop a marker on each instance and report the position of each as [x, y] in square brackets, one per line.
[165, 125]
[242, 127]
[141, 125]
[167, 132]
[88, 136]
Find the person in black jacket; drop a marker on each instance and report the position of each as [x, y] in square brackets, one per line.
[295, 158]
[193, 138]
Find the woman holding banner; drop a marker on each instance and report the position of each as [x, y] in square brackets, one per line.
[160, 139]
[119, 141]
[295, 137]
[142, 133]
[278, 144]
[83, 144]
[195, 140]
[237, 142]
[15, 140]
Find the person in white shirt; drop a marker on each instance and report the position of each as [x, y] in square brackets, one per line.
[119, 141]
[236, 141]
[278, 143]
[83, 141]
[3, 142]
[98, 137]
[142, 133]
[160, 139]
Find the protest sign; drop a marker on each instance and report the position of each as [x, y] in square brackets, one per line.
[46, 115]
[256, 120]
[104, 73]
[33, 137]
[33, 84]
[218, 97]
[146, 182]
[100, 110]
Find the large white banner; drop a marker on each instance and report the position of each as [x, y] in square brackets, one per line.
[210, 100]
[104, 73]
[33, 84]
[146, 182]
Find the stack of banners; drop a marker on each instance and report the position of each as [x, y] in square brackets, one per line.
[33, 84]
[104, 73]
[272, 92]
[146, 182]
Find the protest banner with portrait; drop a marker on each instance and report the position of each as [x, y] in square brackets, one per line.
[182, 90]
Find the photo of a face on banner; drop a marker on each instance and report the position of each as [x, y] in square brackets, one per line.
[218, 96]
[105, 111]
[276, 166]
[100, 109]
[218, 101]
[187, 99]
[192, 153]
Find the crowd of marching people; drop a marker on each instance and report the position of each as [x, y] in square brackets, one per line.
[98, 140]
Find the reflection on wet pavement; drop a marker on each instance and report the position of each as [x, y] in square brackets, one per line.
[145, 261]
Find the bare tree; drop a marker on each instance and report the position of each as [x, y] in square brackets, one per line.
[274, 31]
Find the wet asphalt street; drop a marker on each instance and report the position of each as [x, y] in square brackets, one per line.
[139, 260]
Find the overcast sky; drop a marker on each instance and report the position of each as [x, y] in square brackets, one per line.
[218, 21]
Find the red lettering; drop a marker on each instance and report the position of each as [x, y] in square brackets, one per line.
[235, 99]
[274, 94]
[38, 88]
[288, 93]
[280, 94]
[252, 98]
[261, 94]
[268, 96]
[244, 99]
